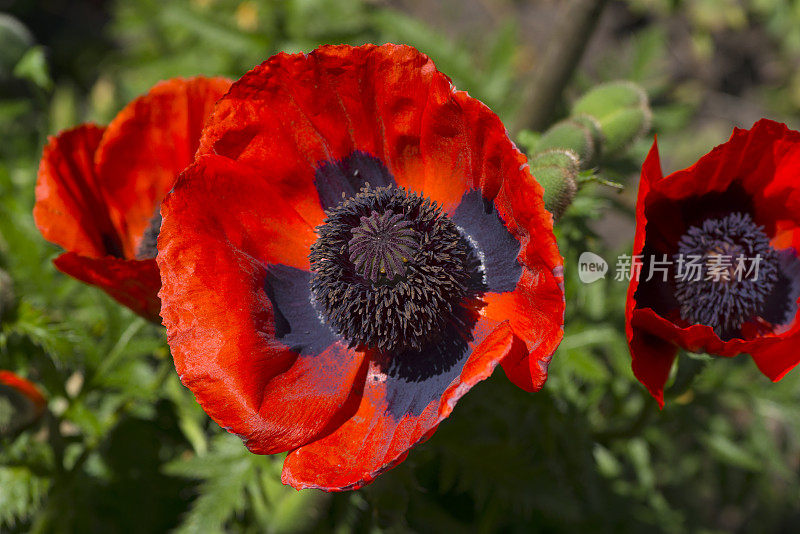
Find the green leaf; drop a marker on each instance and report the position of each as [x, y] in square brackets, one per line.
[731, 453]
[226, 472]
[33, 67]
[21, 494]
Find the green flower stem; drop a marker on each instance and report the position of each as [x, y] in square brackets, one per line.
[560, 59]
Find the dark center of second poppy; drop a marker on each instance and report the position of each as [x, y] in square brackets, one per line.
[390, 270]
[729, 270]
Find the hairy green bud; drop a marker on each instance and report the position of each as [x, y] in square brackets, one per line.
[556, 170]
[575, 134]
[621, 110]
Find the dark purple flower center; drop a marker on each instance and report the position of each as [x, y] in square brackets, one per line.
[725, 270]
[390, 270]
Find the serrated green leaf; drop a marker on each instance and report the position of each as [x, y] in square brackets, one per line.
[21, 494]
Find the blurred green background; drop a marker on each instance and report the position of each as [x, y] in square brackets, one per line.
[124, 447]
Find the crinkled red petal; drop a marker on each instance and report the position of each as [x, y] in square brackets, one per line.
[764, 160]
[297, 111]
[147, 145]
[535, 313]
[375, 439]
[132, 283]
[222, 225]
[218, 196]
[539, 296]
[70, 207]
[652, 359]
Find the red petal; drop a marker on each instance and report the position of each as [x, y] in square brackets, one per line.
[776, 359]
[652, 361]
[70, 205]
[375, 439]
[148, 144]
[463, 145]
[219, 197]
[298, 111]
[651, 357]
[222, 225]
[536, 307]
[535, 313]
[132, 283]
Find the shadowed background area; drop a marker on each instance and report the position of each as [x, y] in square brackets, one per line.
[123, 447]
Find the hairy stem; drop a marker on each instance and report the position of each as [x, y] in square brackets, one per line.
[562, 55]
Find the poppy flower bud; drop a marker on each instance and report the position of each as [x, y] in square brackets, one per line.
[622, 111]
[580, 135]
[556, 170]
[21, 403]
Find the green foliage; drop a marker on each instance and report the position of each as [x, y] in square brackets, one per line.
[21, 495]
[124, 447]
[239, 488]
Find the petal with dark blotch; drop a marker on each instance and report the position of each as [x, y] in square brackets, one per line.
[498, 249]
[400, 407]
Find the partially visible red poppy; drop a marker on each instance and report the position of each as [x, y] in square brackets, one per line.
[356, 246]
[99, 189]
[21, 403]
[735, 216]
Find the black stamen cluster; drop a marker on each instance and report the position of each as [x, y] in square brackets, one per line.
[728, 301]
[374, 301]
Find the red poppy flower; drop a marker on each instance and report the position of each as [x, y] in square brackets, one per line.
[356, 246]
[21, 403]
[99, 189]
[719, 267]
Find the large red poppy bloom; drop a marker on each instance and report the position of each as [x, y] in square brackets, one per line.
[737, 208]
[99, 189]
[356, 246]
[21, 403]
